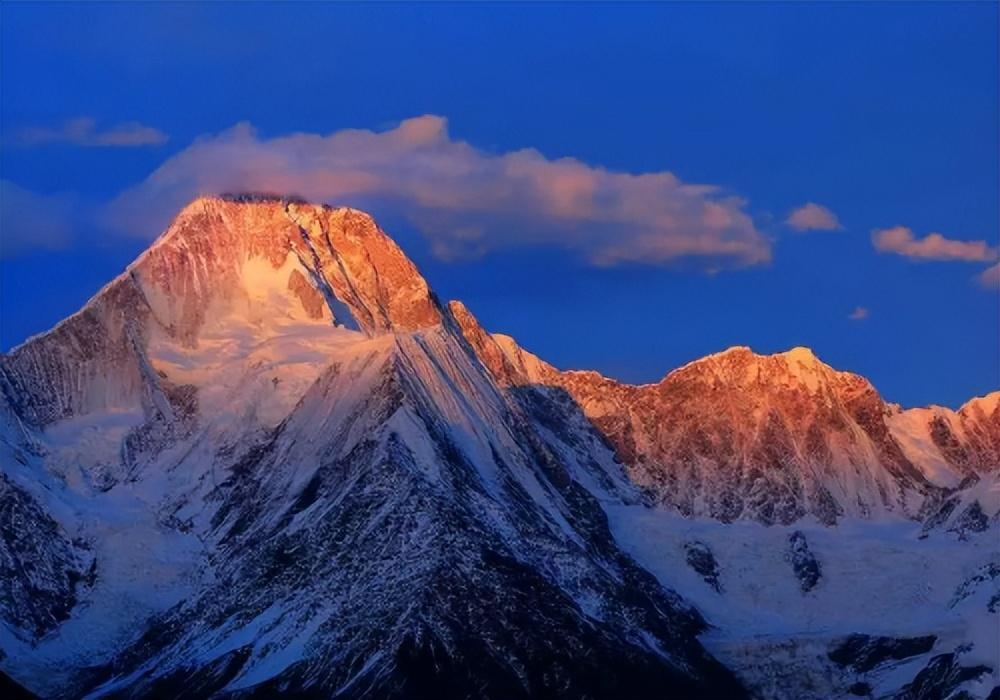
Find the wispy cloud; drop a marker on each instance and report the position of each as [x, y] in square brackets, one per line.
[813, 217]
[860, 313]
[32, 221]
[466, 200]
[84, 131]
[990, 277]
[900, 240]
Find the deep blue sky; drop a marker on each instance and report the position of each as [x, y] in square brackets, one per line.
[887, 114]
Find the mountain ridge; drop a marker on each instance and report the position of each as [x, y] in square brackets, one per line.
[266, 459]
[989, 400]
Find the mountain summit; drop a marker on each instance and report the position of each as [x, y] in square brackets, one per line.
[266, 461]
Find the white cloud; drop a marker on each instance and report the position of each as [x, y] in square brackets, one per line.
[813, 217]
[31, 221]
[860, 313]
[83, 131]
[467, 201]
[901, 241]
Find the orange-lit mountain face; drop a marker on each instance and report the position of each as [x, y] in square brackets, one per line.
[268, 448]
[737, 435]
[245, 268]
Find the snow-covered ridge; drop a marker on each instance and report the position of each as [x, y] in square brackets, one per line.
[343, 247]
[264, 460]
[776, 438]
[223, 262]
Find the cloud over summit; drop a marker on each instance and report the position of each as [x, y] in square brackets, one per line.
[466, 200]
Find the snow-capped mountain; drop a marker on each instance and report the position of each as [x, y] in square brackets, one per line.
[776, 438]
[265, 460]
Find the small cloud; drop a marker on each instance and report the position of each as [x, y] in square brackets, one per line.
[83, 131]
[990, 277]
[860, 313]
[901, 241]
[31, 221]
[813, 217]
[467, 201]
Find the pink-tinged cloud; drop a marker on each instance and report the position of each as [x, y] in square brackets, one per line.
[466, 200]
[990, 277]
[813, 217]
[900, 240]
[860, 313]
[83, 131]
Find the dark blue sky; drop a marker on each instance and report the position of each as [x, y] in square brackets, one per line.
[886, 114]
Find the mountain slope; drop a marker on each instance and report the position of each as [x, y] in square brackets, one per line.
[773, 439]
[266, 461]
[293, 475]
[391, 544]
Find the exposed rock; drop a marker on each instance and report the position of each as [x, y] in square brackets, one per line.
[311, 299]
[742, 436]
[42, 569]
[940, 678]
[804, 563]
[701, 559]
[862, 652]
[986, 575]
[861, 689]
[971, 520]
[938, 509]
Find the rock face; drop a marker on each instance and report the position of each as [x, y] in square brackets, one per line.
[701, 559]
[220, 259]
[804, 563]
[970, 438]
[863, 652]
[940, 679]
[266, 461]
[43, 568]
[742, 436]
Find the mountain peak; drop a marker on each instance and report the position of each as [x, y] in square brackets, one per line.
[231, 272]
[799, 353]
[988, 404]
[741, 366]
[802, 354]
[244, 251]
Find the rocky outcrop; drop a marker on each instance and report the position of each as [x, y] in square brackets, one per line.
[804, 563]
[42, 568]
[863, 652]
[699, 557]
[943, 676]
[986, 578]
